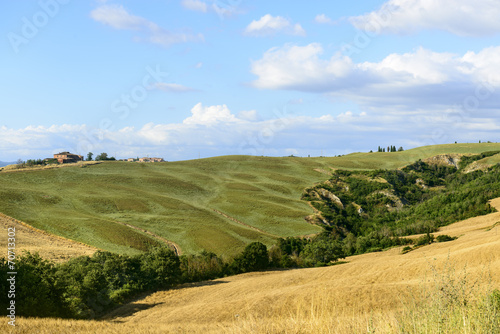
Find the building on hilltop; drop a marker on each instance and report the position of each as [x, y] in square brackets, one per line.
[66, 157]
[151, 160]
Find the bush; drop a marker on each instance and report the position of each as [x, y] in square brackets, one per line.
[425, 240]
[444, 238]
[406, 249]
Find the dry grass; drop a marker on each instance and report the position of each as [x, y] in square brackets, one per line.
[16, 168]
[50, 247]
[373, 293]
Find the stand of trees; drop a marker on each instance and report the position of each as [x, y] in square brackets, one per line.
[390, 149]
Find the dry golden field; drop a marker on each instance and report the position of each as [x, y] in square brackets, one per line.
[49, 246]
[371, 293]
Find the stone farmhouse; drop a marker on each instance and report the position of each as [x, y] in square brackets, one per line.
[151, 160]
[66, 157]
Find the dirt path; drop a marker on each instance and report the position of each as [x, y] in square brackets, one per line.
[244, 224]
[49, 246]
[175, 247]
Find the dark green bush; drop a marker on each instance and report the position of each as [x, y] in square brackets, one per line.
[444, 238]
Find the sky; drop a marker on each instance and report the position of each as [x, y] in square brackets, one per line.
[188, 79]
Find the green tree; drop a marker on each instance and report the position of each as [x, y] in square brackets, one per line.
[255, 257]
[160, 267]
[89, 156]
[102, 156]
[36, 294]
[322, 251]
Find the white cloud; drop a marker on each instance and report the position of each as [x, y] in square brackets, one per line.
[461, 17]
[248, 115]
[117, 17]
[270, 25]
[210, 115]
[195, 5]
[412, 79]
[215, 130]
[173, 88]
[323, 19]
[222, 8]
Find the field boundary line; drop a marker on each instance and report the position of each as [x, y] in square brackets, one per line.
[175, 247]
[244, 224]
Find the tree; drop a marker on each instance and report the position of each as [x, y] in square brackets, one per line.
[102, 156]
[322, 251]
[161, 267]
[254, 257]
[89, 156]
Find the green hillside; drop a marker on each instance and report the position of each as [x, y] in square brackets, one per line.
[218, 204]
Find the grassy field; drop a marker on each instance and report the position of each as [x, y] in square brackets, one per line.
[439, 288]
[218, 204]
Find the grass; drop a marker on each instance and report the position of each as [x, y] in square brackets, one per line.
[440, 288]
[176, 200]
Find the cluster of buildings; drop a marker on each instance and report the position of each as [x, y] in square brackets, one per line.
[144, 160]
[67, 157]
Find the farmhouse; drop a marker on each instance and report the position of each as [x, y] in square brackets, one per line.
[151, 160]
[66, 157]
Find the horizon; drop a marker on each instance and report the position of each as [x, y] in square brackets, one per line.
[189, 79]
[266, 156]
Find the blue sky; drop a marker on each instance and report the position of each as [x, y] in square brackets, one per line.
[183, 79]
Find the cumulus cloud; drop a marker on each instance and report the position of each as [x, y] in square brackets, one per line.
[270, 25]
[117, 17]
[221, 8]
[461, 17]
[216, 130]
[210, 115]
[323, 19]
[420, 78]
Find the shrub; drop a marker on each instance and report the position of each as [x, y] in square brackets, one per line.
[425, 240]
[444, 238]
[406, 249]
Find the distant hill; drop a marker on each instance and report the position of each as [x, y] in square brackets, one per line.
[217, 204]
[3, 164]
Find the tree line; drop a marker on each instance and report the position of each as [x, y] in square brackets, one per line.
[87, 287]
[390, 149]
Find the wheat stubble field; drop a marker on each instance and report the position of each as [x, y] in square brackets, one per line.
[370, 293]
[49, 246]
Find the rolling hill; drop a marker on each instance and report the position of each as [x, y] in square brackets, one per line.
[218, 204]
[385, 292]
[3, 163]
